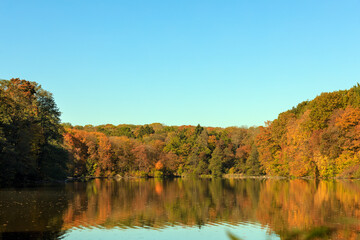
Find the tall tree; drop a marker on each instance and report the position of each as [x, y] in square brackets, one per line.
[215, 163]
[30, 133]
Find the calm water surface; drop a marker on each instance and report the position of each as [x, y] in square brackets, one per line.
[183, 209]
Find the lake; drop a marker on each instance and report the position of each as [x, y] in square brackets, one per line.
[183, 209]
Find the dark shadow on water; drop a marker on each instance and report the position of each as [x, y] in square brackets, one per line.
[43, 235]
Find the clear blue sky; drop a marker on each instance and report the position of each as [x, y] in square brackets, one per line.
[217, 63]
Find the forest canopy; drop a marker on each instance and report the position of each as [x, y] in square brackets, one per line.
[317, 138]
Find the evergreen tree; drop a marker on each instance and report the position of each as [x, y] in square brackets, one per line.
[215, 163]
[252, 163]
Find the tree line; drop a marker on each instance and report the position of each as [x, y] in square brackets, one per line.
[318, 138]
[157, 150]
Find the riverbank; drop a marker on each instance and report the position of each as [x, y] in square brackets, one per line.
[225, 176]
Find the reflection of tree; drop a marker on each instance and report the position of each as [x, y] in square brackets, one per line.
[32, 213]
[295, 208]
[289, 208]
[158, 202]
[300, 205]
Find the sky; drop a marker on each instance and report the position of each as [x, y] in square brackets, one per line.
[214, 63]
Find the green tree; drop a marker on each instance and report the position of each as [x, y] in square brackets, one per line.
[215, 163]
[30, 132]
[252, 163]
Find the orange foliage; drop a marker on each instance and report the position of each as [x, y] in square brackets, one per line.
[159, 165]
[349, 118]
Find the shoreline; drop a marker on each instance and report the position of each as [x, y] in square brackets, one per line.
[225, 176]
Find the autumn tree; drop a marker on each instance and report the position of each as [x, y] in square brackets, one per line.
[30, 133]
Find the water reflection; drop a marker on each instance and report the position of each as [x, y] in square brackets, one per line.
[288, 209]
[32, 213]
[157, 204]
